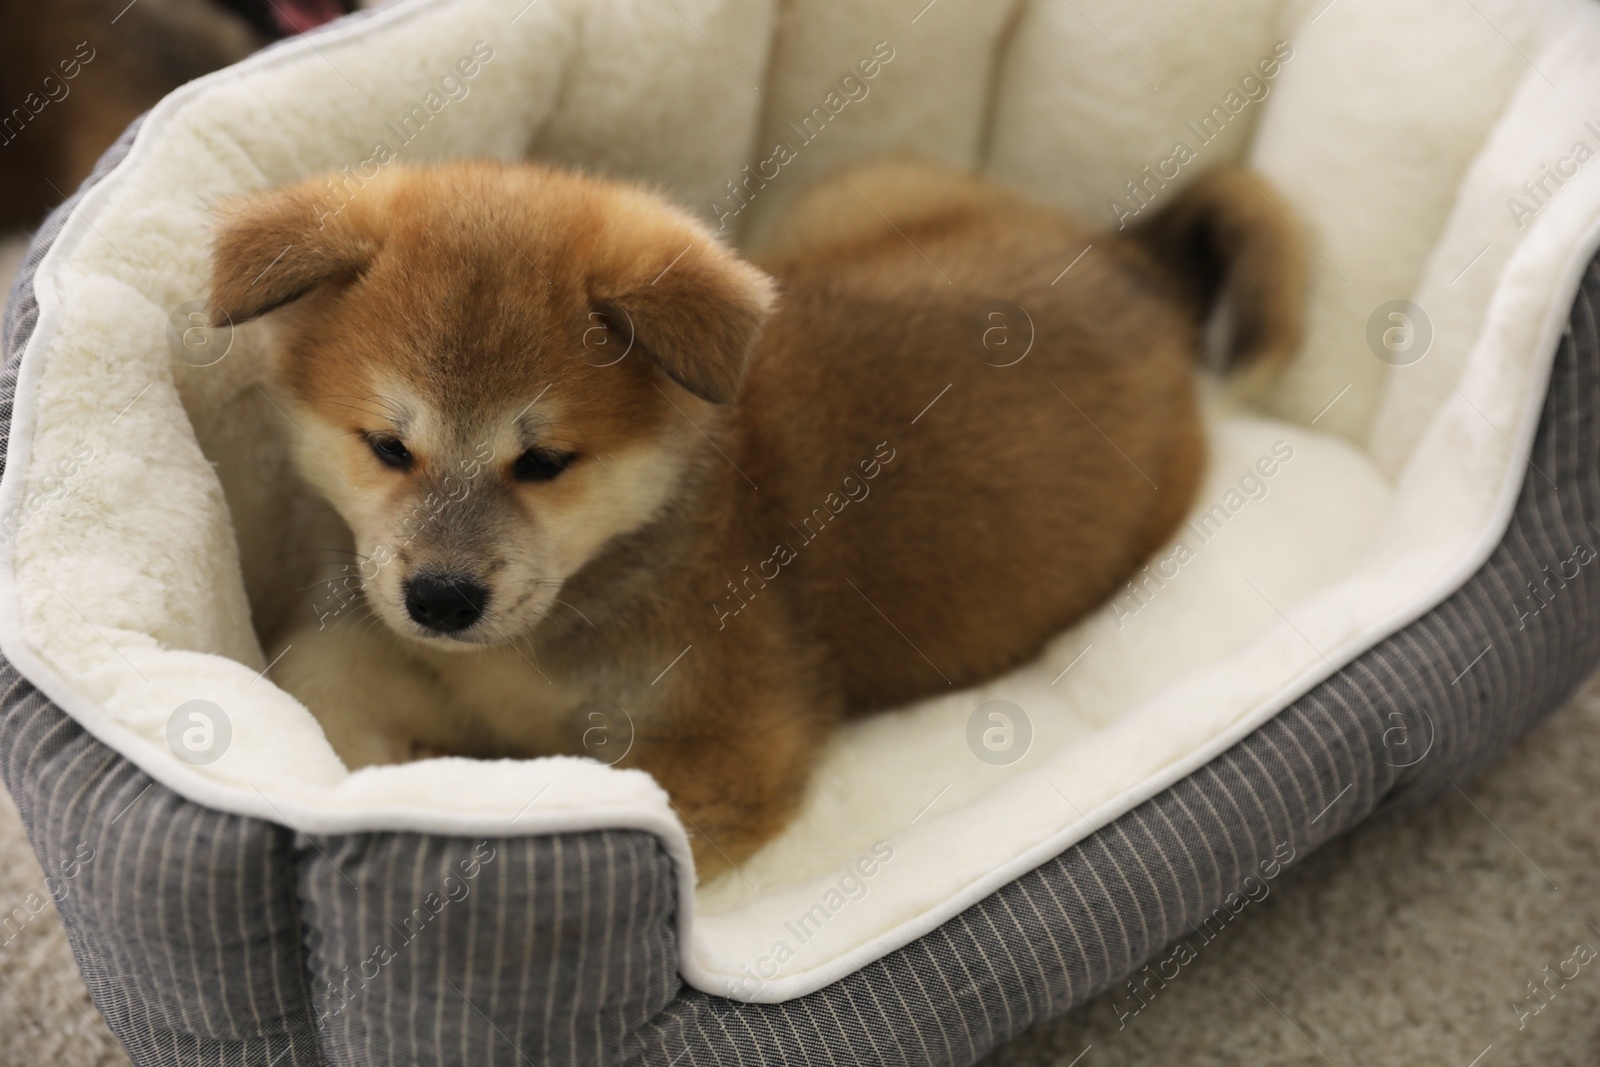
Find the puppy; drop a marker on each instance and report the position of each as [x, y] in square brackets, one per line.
[600, 469]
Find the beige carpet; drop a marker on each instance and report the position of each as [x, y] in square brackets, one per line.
[1404, 943]
[46, 1017]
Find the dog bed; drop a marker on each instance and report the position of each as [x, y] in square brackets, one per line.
[1385, 580]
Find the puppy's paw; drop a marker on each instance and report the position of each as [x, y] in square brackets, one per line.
[375, 705]
[361, 746]
[420, 750]
[722, 835]
[708, 862]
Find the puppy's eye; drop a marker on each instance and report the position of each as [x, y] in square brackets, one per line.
[541, 465]
[391, 451]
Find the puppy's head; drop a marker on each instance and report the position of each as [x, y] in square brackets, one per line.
[492, 371]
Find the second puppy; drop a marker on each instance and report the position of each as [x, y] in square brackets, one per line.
[727, 504]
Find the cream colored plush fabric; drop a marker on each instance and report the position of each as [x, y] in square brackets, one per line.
[158, 516]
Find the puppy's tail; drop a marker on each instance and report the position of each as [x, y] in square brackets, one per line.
[1227, 237]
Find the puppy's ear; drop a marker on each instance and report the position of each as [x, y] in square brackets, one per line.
[273, 247]
[697, 316]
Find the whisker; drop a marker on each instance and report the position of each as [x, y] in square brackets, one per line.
[307, 551]
[579, 587]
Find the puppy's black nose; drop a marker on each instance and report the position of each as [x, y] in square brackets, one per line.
[445, 603]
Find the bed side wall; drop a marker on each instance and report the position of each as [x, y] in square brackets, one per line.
[552, 950]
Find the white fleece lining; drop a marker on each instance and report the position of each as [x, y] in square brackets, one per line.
[1105, 740]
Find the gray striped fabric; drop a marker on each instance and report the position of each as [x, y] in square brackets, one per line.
[440, 950]
[208, 938]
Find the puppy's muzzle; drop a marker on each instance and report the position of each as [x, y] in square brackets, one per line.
[445, 603]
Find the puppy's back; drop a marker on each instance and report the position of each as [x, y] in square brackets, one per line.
[1034, 385]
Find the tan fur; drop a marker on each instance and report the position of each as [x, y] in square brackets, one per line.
[775, 518]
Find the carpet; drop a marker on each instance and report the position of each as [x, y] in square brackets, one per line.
[48, 1017]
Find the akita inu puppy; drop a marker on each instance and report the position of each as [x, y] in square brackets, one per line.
[594, 462]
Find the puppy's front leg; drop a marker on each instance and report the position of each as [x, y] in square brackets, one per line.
[375, 704]
[734, 759]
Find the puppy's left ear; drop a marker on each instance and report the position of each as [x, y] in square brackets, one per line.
[272, 248]
[697, 316]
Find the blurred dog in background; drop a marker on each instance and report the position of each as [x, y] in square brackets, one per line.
[75, 73]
